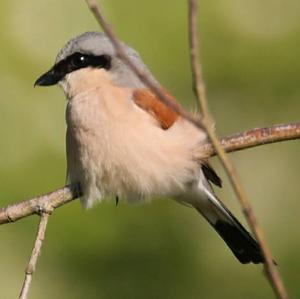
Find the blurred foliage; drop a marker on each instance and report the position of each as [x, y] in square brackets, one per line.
[250, 52]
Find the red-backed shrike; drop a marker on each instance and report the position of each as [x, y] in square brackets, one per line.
[122, 142]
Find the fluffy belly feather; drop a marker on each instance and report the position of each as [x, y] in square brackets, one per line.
[124, 153]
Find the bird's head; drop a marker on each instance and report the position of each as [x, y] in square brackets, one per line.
[88, 60]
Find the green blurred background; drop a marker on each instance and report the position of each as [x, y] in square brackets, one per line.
[250, 52]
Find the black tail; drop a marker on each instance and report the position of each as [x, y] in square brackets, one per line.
[243, 246]
[239, 240]
[241, 243]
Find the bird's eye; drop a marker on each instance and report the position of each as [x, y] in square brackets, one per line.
[79, 60]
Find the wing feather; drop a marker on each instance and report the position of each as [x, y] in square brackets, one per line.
[148, 101]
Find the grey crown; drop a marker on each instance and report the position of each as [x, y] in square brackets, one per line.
[97, 43]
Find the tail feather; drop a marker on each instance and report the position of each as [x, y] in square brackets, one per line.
[243, 246]
[238, 239]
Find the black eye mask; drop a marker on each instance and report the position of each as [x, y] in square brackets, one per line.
[72, 63]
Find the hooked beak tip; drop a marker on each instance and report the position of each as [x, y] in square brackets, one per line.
[47, 79]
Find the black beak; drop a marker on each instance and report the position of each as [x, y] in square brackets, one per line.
[52, 77]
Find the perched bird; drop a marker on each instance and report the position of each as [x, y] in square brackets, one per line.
[122, 142]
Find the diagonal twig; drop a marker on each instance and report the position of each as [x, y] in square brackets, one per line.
[34, 255]
[199, 87]
[143, 76]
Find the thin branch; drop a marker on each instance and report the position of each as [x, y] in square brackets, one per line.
[236, 142]
[270, 268]
[198, 82]
[34, 255]
[32, 206]
[143, 76]
[255, 137]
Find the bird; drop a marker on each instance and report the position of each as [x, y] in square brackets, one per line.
[123, 142]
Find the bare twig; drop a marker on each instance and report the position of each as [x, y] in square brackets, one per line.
[255, 137]
[200, 92]
[34, 255]
[199, 87]
[198, 83]
[236, 142]
[31, 206]
[144, 77]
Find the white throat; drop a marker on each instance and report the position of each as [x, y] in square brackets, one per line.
[83, 81]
